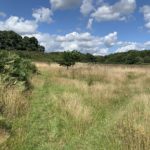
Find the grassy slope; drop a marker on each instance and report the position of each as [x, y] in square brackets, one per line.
[86, 107]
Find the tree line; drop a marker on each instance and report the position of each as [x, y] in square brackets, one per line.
[9, 40]
[130, 57]
[29, 48]
[69, 58]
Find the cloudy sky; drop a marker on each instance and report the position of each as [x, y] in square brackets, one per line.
[99, 27]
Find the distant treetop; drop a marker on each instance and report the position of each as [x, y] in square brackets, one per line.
[9, 40]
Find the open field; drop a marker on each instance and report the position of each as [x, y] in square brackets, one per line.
[88, 107]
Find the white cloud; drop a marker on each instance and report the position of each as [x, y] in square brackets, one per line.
[105, 13]
[47, 40]
[19, 25]
[146, 12]
[126, 46]
[90, 22]
[43, 15]
[84, 42]
[86, 7]
[2, 14]
[64, 4]
[118, 11]
[111, 39]
[75, 36]
[147, 44]
[102, 52]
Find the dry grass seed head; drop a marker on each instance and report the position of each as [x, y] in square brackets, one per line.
[72, 103]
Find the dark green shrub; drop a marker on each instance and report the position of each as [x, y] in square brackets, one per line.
[13, 68]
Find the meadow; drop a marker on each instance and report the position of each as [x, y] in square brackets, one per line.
[85, 107]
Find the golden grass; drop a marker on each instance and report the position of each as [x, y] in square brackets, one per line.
[12, 101]
[12, 104]
[108, 100]
[103, 85]
[133, 128]
[42, 65]
[72, 104]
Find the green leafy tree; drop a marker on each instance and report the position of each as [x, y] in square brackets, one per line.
[41, 48]
[131, 57]
[91, 58]
[69, 58]
[9, 40]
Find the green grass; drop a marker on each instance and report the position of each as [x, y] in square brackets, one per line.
[68, 113]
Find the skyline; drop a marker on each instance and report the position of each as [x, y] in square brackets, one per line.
[99, 27]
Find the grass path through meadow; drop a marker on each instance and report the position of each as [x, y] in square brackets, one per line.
[65, 115]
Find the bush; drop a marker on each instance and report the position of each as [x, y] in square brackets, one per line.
[69, 58]
[13, 68]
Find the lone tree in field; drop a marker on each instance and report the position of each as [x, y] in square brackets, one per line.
[69, 58]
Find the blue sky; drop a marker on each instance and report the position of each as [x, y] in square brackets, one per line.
[99, 27]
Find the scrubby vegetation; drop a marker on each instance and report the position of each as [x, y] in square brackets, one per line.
[14, 68]
[15, 73]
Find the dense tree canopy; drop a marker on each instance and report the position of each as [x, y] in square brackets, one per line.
[69, 58]
[130, 57]
[10, 40]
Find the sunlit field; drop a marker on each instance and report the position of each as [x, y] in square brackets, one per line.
[85, 107]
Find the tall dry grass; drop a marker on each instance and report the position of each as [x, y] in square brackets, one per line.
[133, 127]
[72, 104]
[100, 85]
[12, 101]
[13, 104]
